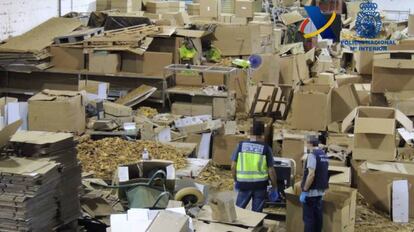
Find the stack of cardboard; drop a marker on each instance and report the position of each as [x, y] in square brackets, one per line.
[59, 148]
[29, 51]
[28, 188]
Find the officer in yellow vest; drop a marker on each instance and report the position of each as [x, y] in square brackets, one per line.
[252, 167]
[187, 52]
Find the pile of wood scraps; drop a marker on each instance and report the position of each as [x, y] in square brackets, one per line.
[135, 39]
[104, 156]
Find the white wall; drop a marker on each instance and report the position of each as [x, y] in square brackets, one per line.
[19, 16]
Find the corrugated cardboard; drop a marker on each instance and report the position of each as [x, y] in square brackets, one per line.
[171, 221]
[293, 69]
[403, 101]
[57, 111]
[67, 58]
[224, 146]
[374, 132]
[126, 5]
[311, 108]
[338, 211]
[102, 62]
[411, 25]
[343, 79]
[151, 63]
[236, 40]
[244, 8]
[117, 110]
[269, 70]
[210, 8]
[363, 62]
[191, 109]
[291, 17]
[293, 147]
[344, 100]
[364, 93]
[392, 72]
[375, 179]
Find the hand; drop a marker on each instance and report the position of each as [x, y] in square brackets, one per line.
[303, 197]
[273, 195]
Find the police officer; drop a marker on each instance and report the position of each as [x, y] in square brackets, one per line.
[251, 167]
[314, 183]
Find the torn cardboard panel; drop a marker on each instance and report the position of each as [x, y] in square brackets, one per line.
[311, 108]
[375, 181]
[344, 100]
[403, 101]
[41, 36]
[374, 132]
[137, 96]
[52, 110]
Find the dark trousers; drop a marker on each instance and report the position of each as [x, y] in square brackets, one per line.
[312, 214]
[258, 196]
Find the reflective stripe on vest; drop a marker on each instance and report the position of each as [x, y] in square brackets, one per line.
[251, 167]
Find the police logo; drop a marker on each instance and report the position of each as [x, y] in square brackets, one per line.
[368, 23]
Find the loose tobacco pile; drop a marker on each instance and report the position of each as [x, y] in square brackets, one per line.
[104, 156]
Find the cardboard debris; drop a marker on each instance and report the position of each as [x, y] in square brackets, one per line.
[375, 131]
[52, 110]
[291, 17]
[375, 181]
[245, 217]
[41, 36]
[137, 95]
[338, 211]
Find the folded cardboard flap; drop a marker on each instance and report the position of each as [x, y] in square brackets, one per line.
[8, 131]
[374, 126]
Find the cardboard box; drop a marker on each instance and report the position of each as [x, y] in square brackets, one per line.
[188, 79]
[157, 7]
[151, 63]
[375, 179]
[293, 68]
[338, 212]
[117, 110]
[293, 147]
[344, 100]
[103, 62]
[311, 108]
[269, 70]
[237, 40]
[102, 5]
[244, 8]
[172, 221]
[191, 109]
[374, 132]
[363, 62]
[344, 79]
[392, 72]
[67, 58]
[411, 25]
[193, 8]
[224, 146]
[210, 8]
[57, 111]
[403, 101]
[364, 93]
[126, 5]
[224, 108]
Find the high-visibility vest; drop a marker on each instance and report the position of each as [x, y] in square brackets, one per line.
[187, 54]
[251, 167]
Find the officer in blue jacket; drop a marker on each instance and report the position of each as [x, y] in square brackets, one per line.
[252, 168]
[314, 183]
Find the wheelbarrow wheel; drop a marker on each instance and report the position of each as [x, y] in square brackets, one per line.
[189, 196]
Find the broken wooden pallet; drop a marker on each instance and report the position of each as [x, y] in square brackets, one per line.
[79, 36]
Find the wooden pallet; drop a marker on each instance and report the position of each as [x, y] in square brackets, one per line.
[79, 36]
